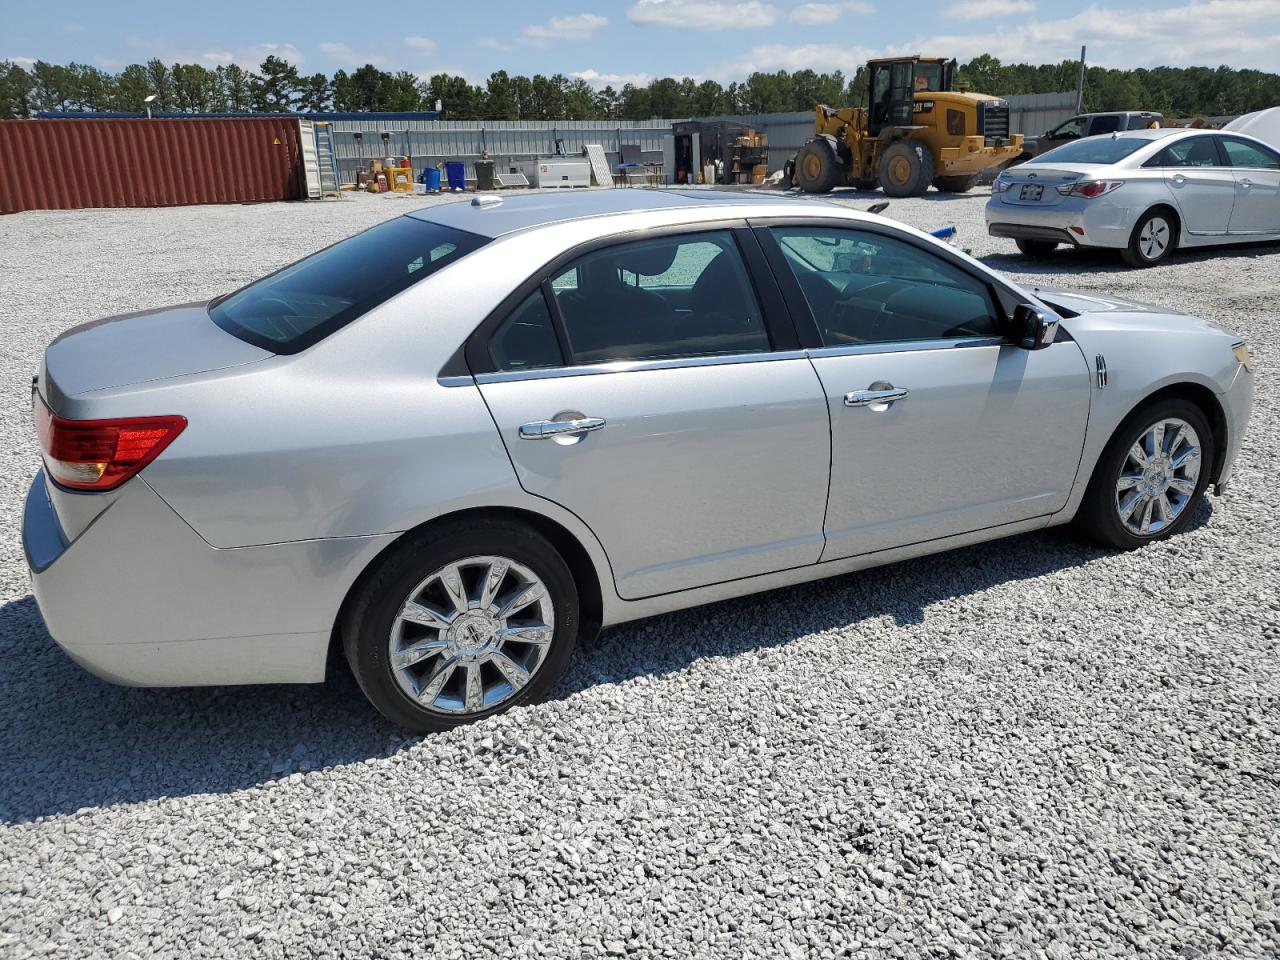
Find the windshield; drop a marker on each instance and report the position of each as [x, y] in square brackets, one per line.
[1093, 150]
[304, 303]
[929, 77]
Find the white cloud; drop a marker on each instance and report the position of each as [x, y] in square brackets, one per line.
[340, 53]
[812, 14]
[824, 57]
[422, 44]
[248, 57]
[986, 9]
[703, 14]
[615, 80]
[217, 56]
[492, 43]
[258, 52]
[578, 26]
[22, 61]
[1243, 33]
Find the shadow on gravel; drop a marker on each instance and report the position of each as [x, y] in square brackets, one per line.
[1071, 259]
[69, 740]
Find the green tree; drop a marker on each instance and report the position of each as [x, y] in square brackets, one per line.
[197, 89]
[237, 87]
[500, 100]
[314, 94]
[160, 83]
[15, 91]
[274, 88]
[458, 99]
[53, 86]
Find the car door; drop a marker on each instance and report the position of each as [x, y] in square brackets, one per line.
[1256, 170]
[1203, 187]
[938, 425]
[650, 388]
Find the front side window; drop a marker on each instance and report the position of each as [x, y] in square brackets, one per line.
[864, 287]
[681, 296]
[1242, 153]
[303, 303]
[1192, 152]
[1070, 130]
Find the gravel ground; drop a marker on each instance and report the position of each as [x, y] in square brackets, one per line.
[1025, 749]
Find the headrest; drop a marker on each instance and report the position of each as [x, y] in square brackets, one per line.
[646, 259]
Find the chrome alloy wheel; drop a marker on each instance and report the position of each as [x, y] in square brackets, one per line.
[1154, 239]
[471, 635]
[1158, 477]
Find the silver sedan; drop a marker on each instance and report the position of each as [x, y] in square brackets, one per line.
[459, 442]
[1144, 193]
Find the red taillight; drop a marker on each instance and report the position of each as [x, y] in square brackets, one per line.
[101, 454]
[1089, 188]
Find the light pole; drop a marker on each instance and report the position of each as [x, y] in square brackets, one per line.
[148, 101]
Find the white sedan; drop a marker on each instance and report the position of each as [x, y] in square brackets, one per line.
[1142, 192]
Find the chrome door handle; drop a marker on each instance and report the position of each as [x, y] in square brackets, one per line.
[1179, 179]
[546, 429]
[863, 398]
[1246, 182]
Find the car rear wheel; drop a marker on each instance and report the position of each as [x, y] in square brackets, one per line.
[1154, 237]
[1151, 476]
[462, 622]
[1036, 249]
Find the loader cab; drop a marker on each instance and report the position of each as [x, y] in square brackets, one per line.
[894, 84]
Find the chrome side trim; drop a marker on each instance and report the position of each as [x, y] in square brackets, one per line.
[636, 366]
[1100, 362]
[456, 381]
[905, 346]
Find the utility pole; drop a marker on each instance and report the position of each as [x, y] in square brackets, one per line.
[1080, 84]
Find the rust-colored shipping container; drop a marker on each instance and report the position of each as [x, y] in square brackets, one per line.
[70, 164]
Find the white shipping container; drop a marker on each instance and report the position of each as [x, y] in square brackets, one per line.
[559, 172]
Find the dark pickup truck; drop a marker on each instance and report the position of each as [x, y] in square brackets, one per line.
[1089, 125]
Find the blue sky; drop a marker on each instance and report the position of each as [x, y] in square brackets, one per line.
[633, 40]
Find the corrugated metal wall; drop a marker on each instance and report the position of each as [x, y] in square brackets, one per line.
[70, 164]
[429, 142]
[1034, 113]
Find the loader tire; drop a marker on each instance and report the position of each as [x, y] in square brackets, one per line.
[906, 169]
[817, 168]
[955, 184]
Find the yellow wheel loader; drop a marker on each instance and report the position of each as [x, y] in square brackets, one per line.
[914, 131]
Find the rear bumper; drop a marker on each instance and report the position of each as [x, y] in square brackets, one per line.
[139, 598]
[1075, 220]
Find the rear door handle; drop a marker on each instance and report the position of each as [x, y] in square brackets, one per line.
[864, 398]
[546, 429]
[1246, 182]
[1179, 179]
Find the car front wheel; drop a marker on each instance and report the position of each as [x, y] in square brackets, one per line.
[462, 622]
[1151, 476]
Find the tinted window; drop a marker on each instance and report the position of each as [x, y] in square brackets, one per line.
[1192, 152]
[682, 296]
[305, 302]
[1072, 129]
[1093, 150]
[1105, 124]
[869, 288]
[526, 340]
[1241, 153]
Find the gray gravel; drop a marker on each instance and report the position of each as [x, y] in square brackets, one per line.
[1024, 749]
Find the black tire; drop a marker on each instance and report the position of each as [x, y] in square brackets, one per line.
[906, 169]
[789, 174]
[1036, 249]
[817, 168]
[1139, 253]
[1099, 514]
[955, 184]
[368, 620]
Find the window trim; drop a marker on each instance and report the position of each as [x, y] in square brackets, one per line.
[807, 324]
[778, 321]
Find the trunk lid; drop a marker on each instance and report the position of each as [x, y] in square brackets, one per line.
[139, 348]
[1047, 179]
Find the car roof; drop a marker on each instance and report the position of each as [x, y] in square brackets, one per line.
[495, 215]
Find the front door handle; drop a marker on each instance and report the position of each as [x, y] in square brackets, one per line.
[1179, 179]
[1246, 182]
[546, 429]
[865, 398]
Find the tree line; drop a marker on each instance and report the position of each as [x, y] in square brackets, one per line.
[278, 86]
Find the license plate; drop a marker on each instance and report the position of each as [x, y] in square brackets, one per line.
[1031, 191]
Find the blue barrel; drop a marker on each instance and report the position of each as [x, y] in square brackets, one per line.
[456, 172]
[431, 177]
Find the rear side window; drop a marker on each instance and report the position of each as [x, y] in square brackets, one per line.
[680, 296]
[1241, 153]
[1104, 125]
[302, 304]
[869, 288]
[1192, 152]
[526, 340]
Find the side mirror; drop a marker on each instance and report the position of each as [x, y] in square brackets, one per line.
[1033, 329]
